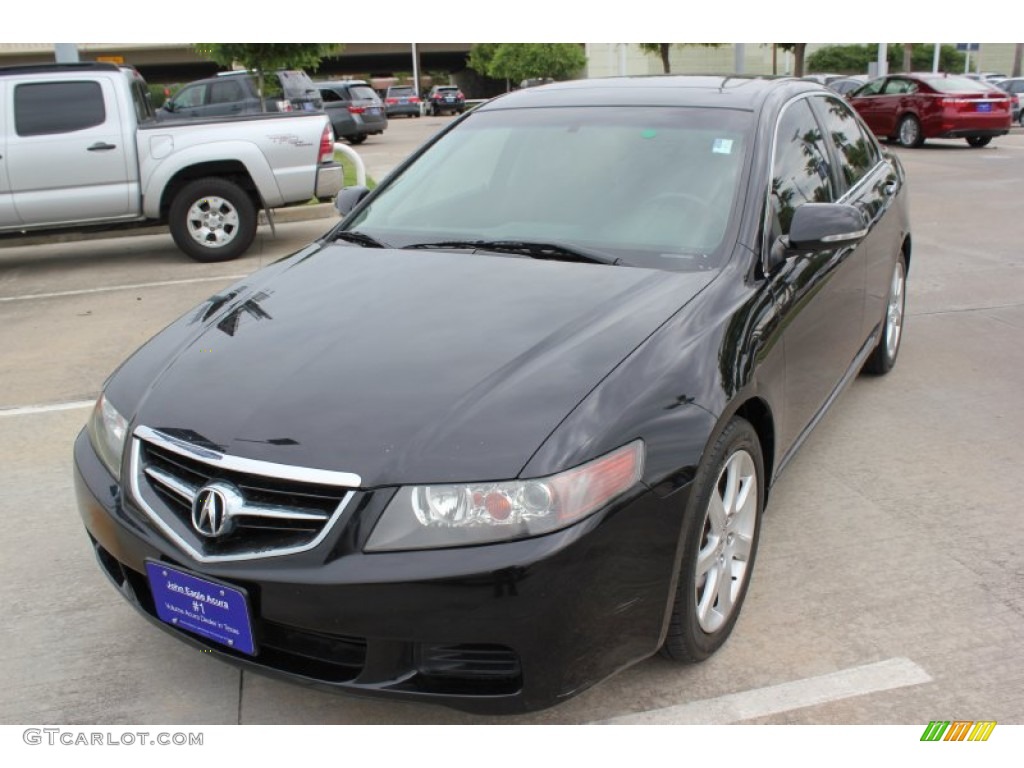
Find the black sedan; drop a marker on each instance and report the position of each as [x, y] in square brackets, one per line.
[512, 425]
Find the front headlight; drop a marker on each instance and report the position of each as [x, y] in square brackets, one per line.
[433, 516]
[107, 432]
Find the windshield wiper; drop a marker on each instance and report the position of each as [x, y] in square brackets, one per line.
[534, 250]
[360, 238]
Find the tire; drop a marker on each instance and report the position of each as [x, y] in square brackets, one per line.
[883, 357]
[979, 141]
[212, 219]
[722, 529]
[357, 139]
[909, 133]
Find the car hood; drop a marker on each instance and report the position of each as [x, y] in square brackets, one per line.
[405, 367]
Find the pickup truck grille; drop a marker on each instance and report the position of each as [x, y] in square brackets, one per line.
[220, 507]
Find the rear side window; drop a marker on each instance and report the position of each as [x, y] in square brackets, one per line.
[858, 152]
[226, 92]
[41, 109]
[329, 96]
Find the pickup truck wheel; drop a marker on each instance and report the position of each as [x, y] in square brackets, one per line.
[212, 220]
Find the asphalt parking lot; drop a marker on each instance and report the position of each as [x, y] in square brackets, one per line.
[889, 586]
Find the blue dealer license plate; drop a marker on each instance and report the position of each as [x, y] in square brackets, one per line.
[984, 107]
[214, 611]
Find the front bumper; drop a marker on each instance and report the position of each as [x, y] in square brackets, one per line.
[500, 628]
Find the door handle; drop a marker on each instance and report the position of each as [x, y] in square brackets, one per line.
[101, 146]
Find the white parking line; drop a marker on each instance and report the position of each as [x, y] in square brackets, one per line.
[104, 289]
[28, 410]
[858, 681]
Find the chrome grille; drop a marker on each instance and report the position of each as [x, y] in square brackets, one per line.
[276, 509]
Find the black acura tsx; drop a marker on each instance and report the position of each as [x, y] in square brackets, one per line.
[511, 426]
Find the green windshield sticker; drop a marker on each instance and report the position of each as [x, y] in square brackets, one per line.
[650, 133]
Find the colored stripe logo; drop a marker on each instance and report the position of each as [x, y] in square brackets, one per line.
[958, 730]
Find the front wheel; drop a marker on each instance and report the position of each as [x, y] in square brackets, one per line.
[909, 133]
[883, 357]
[719, 544]
[979, 141]
[212, 219]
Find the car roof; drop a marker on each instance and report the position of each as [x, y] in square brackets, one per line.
[339, 82]
[725, 91]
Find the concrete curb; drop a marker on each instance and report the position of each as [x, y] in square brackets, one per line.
[281, 216]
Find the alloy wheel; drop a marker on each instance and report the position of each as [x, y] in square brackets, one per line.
[212, 221]
[894, 313]
[726, 541]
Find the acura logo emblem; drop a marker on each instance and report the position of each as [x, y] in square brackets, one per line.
[214, 508]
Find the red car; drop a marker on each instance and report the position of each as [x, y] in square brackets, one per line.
[912, 108]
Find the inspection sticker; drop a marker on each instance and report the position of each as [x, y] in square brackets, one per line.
[722, 147]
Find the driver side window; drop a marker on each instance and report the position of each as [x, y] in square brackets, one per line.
[800, 168]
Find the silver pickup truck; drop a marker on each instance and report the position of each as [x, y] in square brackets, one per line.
[79, 148]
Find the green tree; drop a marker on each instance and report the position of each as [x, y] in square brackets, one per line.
[856, 58]
[267, 57]
[798, 50]
[522, 61]
[662, 50]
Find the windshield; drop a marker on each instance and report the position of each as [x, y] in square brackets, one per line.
[652, 186]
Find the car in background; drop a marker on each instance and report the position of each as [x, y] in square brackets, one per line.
[445, 99]
[511, 426]
[988, 77]
[1015, 87]
[845, 85]
[910, 108]
[402, 100]
[822, 78]
[354, 108]
[237, 93]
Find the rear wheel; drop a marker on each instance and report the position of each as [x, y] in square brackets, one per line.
[909, 133]
[212, 219]
[979, 141]
[357, 139]
[720, 543]
[883, 358]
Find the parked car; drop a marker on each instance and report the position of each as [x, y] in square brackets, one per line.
[81, 149]
[354, 108]
[1015, 87]
[911, 108]
[402, 100]
[989, 77]
[511, 426]
[445, 98]
[823, 78]
[845, 85]
[237, 93]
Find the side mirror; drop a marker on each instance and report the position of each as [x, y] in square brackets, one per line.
[169, 105]
[819, 227]
[349, 198]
